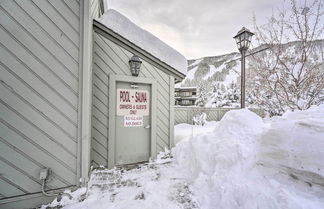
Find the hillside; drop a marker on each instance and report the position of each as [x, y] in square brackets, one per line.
[218, 78]
[211, 69]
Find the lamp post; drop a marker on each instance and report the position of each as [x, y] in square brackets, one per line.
[243, 40]
[135, 65]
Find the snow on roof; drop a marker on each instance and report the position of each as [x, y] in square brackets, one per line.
[143, 39]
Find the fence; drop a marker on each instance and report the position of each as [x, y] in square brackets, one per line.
[185, 114]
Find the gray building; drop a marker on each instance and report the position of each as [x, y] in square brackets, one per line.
[68, 97]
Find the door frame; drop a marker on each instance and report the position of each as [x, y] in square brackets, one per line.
[113, 79]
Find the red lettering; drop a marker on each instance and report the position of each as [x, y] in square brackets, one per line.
[125, 106]
[140, 107]
[124, 96]
[140, 97]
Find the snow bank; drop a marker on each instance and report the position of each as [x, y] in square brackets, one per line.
[295, 141]
[241, 162]
[185, 131]
[143, 39]
[230, 142]
[250, 163]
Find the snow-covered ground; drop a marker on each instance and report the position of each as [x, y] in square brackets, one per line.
[242, 161]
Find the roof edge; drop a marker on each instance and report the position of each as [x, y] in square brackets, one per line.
[118, 39]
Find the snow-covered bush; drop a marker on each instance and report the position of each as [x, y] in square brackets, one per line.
[199, 119]
[202, 94]
[224, 95]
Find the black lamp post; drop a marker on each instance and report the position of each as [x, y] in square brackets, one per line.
[135, 65]
[243, 40]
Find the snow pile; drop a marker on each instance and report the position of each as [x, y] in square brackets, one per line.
[185, 131]
[242, 161]
[295, 140]
[249, 163]
[143, 39]
[231, 142]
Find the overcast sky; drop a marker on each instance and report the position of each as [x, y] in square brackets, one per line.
[196, 28]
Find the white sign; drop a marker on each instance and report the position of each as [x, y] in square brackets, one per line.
[133, 102]
[133, 120]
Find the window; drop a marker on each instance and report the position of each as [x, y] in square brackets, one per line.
[186, 94]
[186, 102]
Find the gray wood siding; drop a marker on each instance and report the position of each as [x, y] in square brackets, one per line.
[39, 90]
[109, 58]
[94, 8]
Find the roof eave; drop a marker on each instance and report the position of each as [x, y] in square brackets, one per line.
[120, 40]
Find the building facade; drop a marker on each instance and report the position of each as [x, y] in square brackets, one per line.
[62, 76]
[185, 96]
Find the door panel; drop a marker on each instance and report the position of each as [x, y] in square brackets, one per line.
[132, 141]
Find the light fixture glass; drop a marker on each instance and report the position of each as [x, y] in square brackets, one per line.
[135, 65]
[243, 39]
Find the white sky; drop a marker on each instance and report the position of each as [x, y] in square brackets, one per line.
[196, 28]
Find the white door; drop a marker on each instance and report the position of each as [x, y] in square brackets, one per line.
[133, 124]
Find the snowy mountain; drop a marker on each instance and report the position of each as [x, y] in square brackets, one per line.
[218, 78]
[214, 77]
[211, 69]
